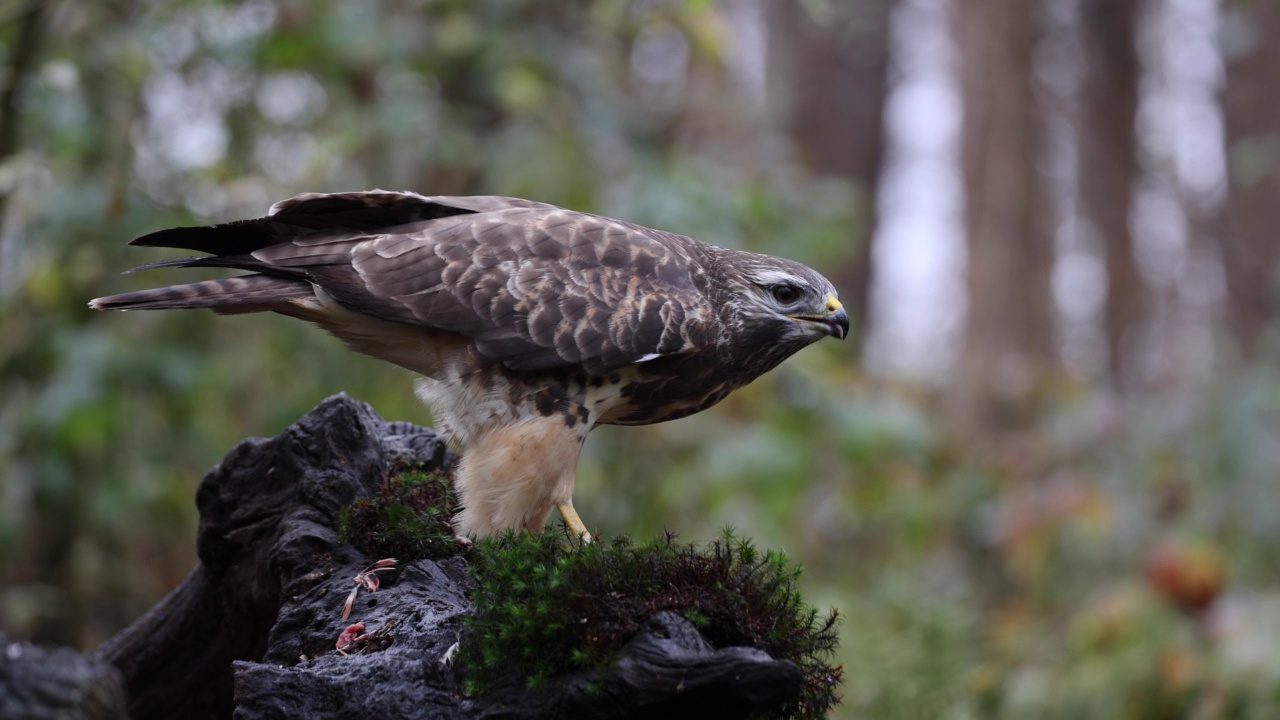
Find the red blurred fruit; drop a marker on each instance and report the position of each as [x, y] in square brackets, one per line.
[1189, 574]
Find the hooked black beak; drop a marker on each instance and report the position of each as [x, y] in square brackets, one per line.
[836, 319]
[838, 322]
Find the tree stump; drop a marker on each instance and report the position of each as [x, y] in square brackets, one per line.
[252, 632]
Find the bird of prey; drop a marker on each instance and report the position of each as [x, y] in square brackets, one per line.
[528, 323]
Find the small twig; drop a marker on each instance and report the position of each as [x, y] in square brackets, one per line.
[367, 579]
[354, 641]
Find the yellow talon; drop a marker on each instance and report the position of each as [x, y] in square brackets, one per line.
[573, 522]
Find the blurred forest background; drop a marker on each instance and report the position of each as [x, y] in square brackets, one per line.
[1042, 482]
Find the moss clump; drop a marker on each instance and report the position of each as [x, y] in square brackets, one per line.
[546, 605]
[410, 517]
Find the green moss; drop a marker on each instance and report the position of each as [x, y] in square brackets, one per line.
[410, 518]
[546, 605]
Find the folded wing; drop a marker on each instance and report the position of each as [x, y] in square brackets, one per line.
[533, 285]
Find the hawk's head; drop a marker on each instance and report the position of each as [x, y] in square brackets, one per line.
[781, 306]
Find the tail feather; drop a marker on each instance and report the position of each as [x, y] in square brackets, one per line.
[235, 262]
[246, 293]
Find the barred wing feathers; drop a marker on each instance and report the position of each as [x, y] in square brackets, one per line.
[535, 286]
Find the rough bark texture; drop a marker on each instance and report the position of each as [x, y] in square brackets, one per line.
[252, 632]
[1109, 167]
[38, 683]
[268, 514]
[830, 68]
[667, 671]
[1009, 337]
[1251, 112]
[422, 610]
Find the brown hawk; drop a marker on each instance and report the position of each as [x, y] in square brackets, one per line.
[529, 323]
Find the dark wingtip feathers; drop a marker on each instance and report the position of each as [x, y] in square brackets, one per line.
[304, 215]
[235, 238]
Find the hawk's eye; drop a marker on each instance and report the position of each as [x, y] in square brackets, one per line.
[785, 294]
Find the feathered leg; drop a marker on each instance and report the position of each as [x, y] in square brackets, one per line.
[512, 476]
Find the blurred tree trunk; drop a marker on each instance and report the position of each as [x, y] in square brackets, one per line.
[24, 38]
[1250, 241]
[26, 41]
[1109, 166]
[830, 71]
[1009, 349]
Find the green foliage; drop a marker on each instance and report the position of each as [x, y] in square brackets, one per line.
[546, 605]
[973, 587]
[410, 518]
[149, 115]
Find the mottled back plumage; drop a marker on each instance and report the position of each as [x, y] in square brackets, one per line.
[529, 323]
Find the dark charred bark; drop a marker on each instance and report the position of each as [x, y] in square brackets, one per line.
[268, 518]
[39, 682]
[252, 631]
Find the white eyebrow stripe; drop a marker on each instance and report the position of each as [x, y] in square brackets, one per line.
[778, 277]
